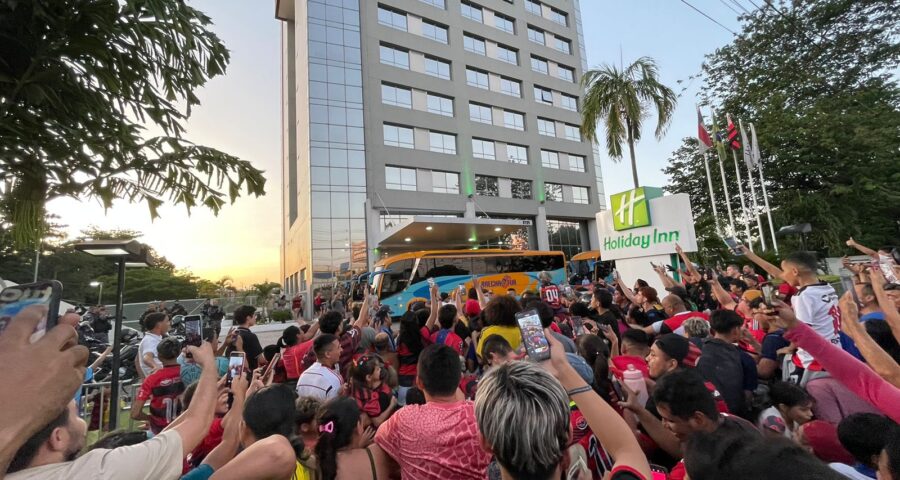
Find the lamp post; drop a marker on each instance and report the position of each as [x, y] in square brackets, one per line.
[100, 293]
[129, 253]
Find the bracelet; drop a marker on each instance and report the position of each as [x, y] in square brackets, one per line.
[577, 390]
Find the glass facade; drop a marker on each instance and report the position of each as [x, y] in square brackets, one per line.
[565, 236]
[337, 144]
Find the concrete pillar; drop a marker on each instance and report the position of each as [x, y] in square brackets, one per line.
[593, 235]
[470, 208]
[373, 232]
[540, 228]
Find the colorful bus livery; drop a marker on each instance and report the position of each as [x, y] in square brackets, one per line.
[405, 276]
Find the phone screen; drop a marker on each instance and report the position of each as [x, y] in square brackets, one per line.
[768, 294]
[533, 335]
[16, 298]
[193, 334]
[732, 244]
[578, 322]
[235, 365]
[618, 389]
[847, 283]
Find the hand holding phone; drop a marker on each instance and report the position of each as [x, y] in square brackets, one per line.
[734, 245]
[849, 286]
[533, 337]
[15, 298]
[235, 366]
[193, 334]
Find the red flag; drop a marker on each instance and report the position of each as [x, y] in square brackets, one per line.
[703, 135]
[733, 140]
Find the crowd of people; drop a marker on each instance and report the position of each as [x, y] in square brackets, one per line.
[757, 371]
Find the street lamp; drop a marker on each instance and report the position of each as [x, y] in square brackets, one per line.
[96, 284]
[128, 253]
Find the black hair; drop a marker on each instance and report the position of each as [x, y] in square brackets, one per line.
[341, 416]
[414, 396]
[168, 348]
[119, 438]
[305, 410]
[737, 282]
[321, 343]
[330, 322]
[595, 352]
[501, 311]
[243, 313]
[29, 449]
[154, 319]
[409, 334]
[359, 370]
[642, 283]
[289, 337]
[892, 449]
[684, 392]
[789, 394]
[473, 294]
[864, 435]
[636, 336]
[439, 370]
[724, 321]
[881, 332]
[803, 260]
[447, 315]
[604, 298]
[188, 395]
[495, 344]
[543, 310]
[270, 411]
[422, 315]
[638, 316]
[579, 309]
[269, 352]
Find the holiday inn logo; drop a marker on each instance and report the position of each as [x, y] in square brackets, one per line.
[631, 209]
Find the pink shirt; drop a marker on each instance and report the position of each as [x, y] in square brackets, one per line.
[435, 441]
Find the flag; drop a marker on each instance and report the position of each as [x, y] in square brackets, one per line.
[754, 152]
[719, 136]
[748, 157]
[732, 135]
[702, 135]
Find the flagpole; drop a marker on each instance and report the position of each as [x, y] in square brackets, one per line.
[762, 181]
[712, 197]
[737, 172]
[748, 160]
[722, 172]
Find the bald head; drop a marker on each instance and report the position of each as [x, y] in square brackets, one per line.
[673, 304]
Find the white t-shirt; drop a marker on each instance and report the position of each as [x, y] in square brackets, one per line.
[320, 382]
[157, 458]
[771, 419]
[817, 306]
[148, 345]
[848, 471]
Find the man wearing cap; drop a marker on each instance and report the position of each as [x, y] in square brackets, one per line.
[677, 312]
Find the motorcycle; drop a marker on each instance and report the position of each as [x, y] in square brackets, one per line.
[129, 341]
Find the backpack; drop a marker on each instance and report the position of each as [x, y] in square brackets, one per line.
[720, 364]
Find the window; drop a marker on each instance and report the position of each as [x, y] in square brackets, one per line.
[549, 159]
[471, 11]
[543, 95]
[396, 96]
[576, 163]
[395, 57]
[536, 35]
[546, 127]
[474, 44]
[397, 136]
[573, 132]
[440, 105]
[437, 67]
[514, 120]
[533, 7]
[569, 102]
[558, 16]
[553, 192]
[487, 186]
[392, 18]
[442, 142]
[516, 153]
[444, 182]
[434, 31]
[521, 189]
[580, 195]
[435, 3]
[396, 178]
[564, 236]
[504, 23]
[507, 54]
[483, 149]
[477, 78]
[480, 113]
[511, 87]
[538, 65]
[566, 73]
[562, 45]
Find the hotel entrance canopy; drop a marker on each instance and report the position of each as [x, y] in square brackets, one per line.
[446, 233]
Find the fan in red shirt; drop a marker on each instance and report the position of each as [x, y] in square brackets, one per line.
[549, 291]
[374, 398]
[447, 318]
[162, 388]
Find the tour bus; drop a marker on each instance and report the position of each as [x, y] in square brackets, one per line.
[589, 265]
[400, 279]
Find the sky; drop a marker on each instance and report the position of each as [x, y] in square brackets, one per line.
[240, 114]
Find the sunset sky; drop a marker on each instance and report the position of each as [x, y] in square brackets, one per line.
[240, 114]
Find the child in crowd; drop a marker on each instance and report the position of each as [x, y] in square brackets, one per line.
[367, 386]
[162, 388]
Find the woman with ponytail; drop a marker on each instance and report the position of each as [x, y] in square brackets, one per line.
[345, 449]
[595, 352]
[367, 387]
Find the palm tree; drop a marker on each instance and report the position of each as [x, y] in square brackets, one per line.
[622, 98]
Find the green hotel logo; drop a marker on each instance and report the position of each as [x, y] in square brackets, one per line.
[631, 209]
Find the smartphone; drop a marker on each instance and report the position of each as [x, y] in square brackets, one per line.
[578, 323]
[193, 332]
[462, 290]
[235, 366]
[768, 295]
[533, 335]
[430, 282]
[618, 389]
[15, 298]
[847, 283]
[271, 365]
[733, 245]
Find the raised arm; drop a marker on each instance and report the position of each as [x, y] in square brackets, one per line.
[768, 267]
[687, 261]
[891, 316]
[625, 290]
[879, 360]
[311, 333]
[667, 281]
[724, 299]
[194, 425]
[482, 301]
[435, 295]
[231, 426]
[862, 248]
[101, 358]
[363, 320]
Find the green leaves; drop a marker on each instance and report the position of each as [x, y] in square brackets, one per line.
[78, 78]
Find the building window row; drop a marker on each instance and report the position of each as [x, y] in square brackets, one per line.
[479, 46]
[489, 186]
[547, 39]
[398, 19]
[556, 192]
[556, 15]
[482, 113]
[486, 149]
[401, 136]
[548, 67]
[399, 57]
[400, 96]
[479, 14]
[562, 161]
[413, 179]
[552, 128]
[478, 78]
[547, 96]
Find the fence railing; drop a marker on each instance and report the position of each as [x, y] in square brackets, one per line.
[95, 408]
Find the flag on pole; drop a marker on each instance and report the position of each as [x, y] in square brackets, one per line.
[705, 141]
[732, 134]
[754, 151]
[748, 157]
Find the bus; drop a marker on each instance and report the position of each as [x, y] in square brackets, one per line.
[589, 265]
[401, 279]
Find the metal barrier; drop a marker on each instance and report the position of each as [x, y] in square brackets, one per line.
[94, 408]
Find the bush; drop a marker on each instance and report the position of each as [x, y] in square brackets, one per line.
[280, 316]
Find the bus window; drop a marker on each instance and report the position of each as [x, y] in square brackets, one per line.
[501, 264]
[426, 265]
[549, 262]
[479, 266]
[397, 279]
[447, 266]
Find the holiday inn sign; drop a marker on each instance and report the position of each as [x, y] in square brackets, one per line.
[643, 222]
